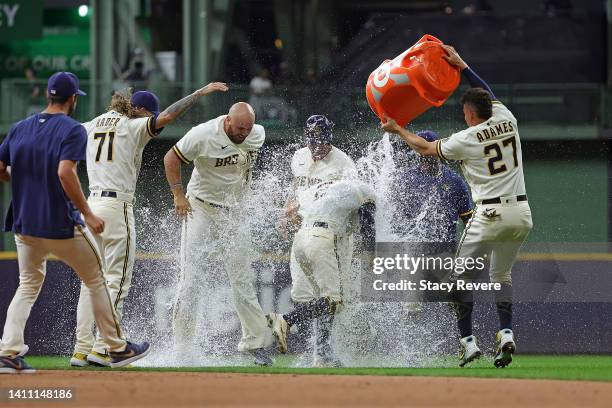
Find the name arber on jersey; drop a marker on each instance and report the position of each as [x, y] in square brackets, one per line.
[492, 131]
[104, 122]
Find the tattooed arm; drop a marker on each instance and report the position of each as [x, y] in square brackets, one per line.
[172, 112]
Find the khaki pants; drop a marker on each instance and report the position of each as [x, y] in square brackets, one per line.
[496, 231]
[79, 253]
[213, 240]
[319, 259]
[117, 245]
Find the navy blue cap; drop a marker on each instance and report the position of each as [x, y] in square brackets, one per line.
[318, 129]
[64, 84]
[428, 135]
[147, 100]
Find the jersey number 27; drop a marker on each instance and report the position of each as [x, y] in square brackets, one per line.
[102, 137]
[493, 168]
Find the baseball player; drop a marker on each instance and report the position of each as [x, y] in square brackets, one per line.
[325, 209]
[429, 198]
[45, 215]
[115, 142]
[318, 161]
[215, 226]
[492, 163]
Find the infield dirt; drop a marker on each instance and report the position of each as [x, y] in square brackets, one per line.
[176, 389]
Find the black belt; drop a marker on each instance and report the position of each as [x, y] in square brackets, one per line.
[320, 224]
[110, 194]
[212, 204]
[522, 197]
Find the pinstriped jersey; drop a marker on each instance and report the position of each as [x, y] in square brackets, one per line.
[222, 169]
[490, 154]
[307, 172]
[114, 150]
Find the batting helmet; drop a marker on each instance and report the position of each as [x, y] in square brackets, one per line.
[318, 129]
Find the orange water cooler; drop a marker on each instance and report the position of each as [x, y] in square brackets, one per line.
[413, 82]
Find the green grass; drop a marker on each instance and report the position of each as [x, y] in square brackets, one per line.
[589, 367]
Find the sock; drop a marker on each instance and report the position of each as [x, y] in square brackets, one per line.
[323, 327]
[463, 306]
[504, 311]
[309, 310]
[303, 339]
[463, 311]
[503, 300]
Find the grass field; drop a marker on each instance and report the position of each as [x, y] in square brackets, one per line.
[590, 367]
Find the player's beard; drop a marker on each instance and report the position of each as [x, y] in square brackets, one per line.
[236, 138]
[72, 108]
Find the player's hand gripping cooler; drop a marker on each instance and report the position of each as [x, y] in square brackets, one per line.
[413, 82]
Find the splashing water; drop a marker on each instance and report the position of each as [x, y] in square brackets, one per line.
[389, 334]
[364, 334]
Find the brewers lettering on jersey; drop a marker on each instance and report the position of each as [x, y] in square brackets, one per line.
[318, 162]
[115, 142]
[216, 228]
[490, 154]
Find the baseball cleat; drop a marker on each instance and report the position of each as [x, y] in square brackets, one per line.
[79, 360]
[505, 348]
[99, 359]
[470, 350]
[262, 357]
[15, 365]
[280, 328]
[132, 352]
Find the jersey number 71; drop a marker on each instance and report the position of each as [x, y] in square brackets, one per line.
[102, 137]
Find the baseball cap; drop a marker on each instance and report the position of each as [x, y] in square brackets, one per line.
[428, 135]
[147, 100]
[318, 129]
[64, 84]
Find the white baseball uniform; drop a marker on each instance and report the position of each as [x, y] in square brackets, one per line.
[306, 173]
[492, 163]
[114, 154]
[218, 232]
[326, 210]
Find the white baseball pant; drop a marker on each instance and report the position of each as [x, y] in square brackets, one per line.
[319, 260]
[79, 253]
[117, 245]
[214, 238]
[497, 231]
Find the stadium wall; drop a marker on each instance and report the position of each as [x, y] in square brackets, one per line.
[542, 327]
